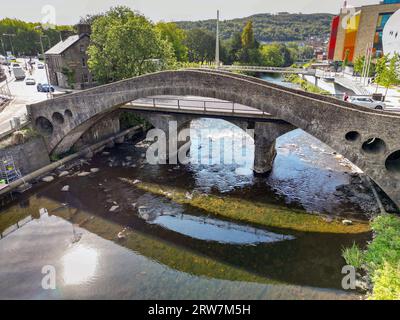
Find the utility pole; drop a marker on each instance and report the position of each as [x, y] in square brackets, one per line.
[217, 63]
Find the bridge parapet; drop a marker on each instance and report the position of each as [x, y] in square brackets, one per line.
[368, 138]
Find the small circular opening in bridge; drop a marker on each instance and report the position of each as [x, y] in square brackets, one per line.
[58, 118]
[392, 163]
[374, 146]
[68, 113]
[44, 126]
[352, 136]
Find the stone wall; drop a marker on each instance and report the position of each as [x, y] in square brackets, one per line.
[28, 156]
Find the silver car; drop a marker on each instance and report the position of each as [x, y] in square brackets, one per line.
[368, 102]
[30, 81]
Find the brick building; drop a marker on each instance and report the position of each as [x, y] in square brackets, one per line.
[67, 61]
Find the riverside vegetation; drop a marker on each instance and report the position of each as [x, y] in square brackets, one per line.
[381, 259]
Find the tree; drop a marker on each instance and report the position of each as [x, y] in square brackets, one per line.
[359, 66]
[171, 32]
[201, 45]
[249, 54]
[271, 55]
[125, 44]
[248, 41]
[233, 46]
[387, 71]
[346, 59]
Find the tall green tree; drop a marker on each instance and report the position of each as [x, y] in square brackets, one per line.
[359, 66]
[170, 31]
[248, 41]
[388, 71]
[233, 46]
[249, 54]
[271, 55]
[201, 45]
[125, 44]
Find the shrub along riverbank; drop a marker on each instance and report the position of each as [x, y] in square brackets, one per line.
[304, 84]
[381, 260]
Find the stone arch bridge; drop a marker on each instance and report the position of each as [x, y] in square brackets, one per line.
[368, 138]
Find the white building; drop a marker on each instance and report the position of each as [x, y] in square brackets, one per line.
[391, 35]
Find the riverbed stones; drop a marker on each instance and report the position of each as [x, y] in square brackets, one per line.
[63, 174]
[114, 208]
[48, 179]
[83, 174]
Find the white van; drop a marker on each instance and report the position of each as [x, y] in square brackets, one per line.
[19, 73]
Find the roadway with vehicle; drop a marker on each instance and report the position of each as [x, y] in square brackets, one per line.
[23, 94]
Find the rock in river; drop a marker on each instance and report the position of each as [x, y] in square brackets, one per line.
[347, 222]
[48, 179]
[63, 174]
[83, 174]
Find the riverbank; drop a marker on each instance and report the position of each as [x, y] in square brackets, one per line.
[304, 84]
[381, 260]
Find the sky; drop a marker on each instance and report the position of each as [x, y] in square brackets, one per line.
[69, 11]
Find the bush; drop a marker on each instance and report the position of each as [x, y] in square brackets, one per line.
[381, 259]
[353, 256]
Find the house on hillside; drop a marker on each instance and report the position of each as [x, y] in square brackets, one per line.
[67, 60]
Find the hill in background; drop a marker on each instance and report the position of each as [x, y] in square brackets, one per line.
[270, 27]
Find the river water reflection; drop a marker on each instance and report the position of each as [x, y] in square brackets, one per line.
[139, 231]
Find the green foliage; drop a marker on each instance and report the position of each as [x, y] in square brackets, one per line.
[171, 32]
[125, 44]
[247, 37]
[70, 74]
[304, 84]
[387, 71]
[359, 65]
[128, 120]
[269, 27]
[27, 39]
[201, 45]
[353, 256]
[346, 58]
[382, 258]
[387, 283]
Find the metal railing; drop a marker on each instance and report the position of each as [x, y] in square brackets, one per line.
[262, 69]
[203, 106]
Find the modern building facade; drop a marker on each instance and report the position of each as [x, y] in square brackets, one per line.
[356, 29]
[67, 61]
[391, 35]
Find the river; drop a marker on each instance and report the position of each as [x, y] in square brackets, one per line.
[131, 230]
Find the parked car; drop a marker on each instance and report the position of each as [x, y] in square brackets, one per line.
[30, 81]
[368, 102]
[15, 65]
[44, 87]
[40, 65]
[19, 73]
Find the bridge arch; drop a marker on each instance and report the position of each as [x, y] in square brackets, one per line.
[327, 119]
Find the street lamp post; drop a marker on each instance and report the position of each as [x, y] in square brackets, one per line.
[48, 94]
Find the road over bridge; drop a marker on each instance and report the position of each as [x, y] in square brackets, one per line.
[368, 138]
